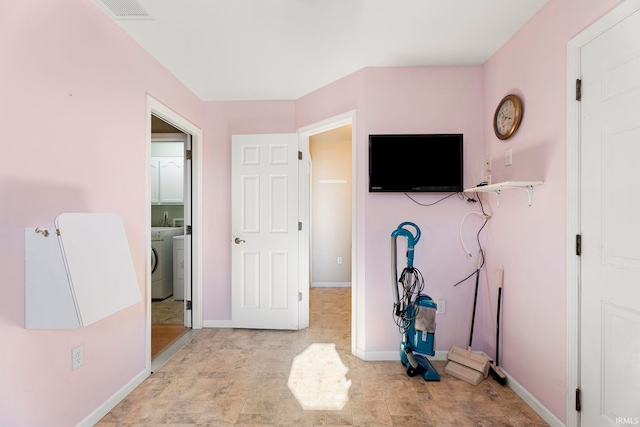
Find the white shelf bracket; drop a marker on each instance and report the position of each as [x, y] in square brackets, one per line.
[497, 193]
[529, 190]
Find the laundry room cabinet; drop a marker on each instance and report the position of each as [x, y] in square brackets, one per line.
[167, 180]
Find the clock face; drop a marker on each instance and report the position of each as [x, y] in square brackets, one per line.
[507, 117]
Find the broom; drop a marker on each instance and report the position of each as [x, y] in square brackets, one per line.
[463, 363]
[494, 368]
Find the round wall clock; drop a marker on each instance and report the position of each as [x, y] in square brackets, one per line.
[507, 117]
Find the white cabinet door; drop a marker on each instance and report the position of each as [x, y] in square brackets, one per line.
[171, 180]
[155, 180]
[167, 180]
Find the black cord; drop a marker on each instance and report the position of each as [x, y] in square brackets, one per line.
[486, 219]
[410, 293]
[461, 195]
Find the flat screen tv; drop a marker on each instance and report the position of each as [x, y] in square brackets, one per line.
[415, 163]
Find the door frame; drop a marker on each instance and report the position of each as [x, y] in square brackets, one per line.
[357, 299]
[156, 108]
[574, 188]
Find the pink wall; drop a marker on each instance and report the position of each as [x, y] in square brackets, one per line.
[422, 100]
[73, 126]
[409, 100]
[530, 241]
[73, 129]
[222, 120]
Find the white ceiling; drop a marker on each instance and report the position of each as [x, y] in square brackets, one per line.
[284, 49]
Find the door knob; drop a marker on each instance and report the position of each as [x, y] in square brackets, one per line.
[238, 241]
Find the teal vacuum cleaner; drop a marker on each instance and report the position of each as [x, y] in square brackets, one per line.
[415, 314]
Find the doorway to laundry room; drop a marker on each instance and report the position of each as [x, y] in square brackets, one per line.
[169, 190]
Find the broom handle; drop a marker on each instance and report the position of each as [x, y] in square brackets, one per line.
[500, 281]
[475, 298]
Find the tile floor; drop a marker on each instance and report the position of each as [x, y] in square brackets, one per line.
[237, 377]
[167, 312]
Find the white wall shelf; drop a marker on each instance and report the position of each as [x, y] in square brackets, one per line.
[507, 185]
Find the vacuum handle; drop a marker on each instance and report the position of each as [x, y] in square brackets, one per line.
[412, 239]
[416, 235]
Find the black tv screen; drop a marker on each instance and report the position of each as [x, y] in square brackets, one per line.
[415, 163]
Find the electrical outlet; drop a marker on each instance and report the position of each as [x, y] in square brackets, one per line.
[441, 307]
[487, 163]
[339, 260]
[77, 357]
[166, 215]
[508, 157]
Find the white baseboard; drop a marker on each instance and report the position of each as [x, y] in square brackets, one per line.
[216, 324]
[359, 353]
[330, 284]
[111, 403]
[534, 403]
[527, 397]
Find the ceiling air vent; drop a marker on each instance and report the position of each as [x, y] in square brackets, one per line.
[124, 9]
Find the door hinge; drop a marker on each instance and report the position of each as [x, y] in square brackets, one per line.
[299, 226]
[189, 305]
[188, 155]
[299, 296]
[578, 400]
[188, 230]
[578, 244]
[578, 90]
[299, 155]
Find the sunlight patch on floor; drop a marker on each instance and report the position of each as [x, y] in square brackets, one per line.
[318, 378]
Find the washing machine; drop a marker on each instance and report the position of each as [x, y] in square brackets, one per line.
[162, 261]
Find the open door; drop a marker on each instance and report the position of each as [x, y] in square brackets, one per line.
[188, 241]
[265, 231]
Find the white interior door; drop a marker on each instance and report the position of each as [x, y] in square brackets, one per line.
[188, 222]
[265, 231]
[610, 262]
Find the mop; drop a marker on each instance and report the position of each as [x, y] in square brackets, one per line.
[415, 314]
[494, 368]
[463, 363]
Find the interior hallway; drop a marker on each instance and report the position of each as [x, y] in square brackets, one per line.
[238, 377]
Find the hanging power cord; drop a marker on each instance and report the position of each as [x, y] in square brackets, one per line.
[481, 214]
[486, 218]
[412, 285]
[460, 195]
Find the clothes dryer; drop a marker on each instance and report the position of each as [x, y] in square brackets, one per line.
[162, 250]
